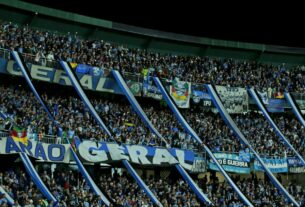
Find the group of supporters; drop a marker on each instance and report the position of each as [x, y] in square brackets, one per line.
[68, 186]
[74, 120]
[45, 47]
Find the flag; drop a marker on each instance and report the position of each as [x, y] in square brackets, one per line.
[73, 65]
[180, 92]
[279, 95]
[19, 135]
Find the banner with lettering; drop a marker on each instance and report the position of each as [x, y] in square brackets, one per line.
[199, 165]
[135, 87]
[276, 165]
[230, 163]
[95, 79]
[295, 165]
[38, 150]
[101, 152]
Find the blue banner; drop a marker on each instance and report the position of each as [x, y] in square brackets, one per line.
[202, 95]
[275, 105]
[231, 163]
[91, 80]
[39, 150]
[275, 165]
[295, 165]
[103, 152]
[244, 155]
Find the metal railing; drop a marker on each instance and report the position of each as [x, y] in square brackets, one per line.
[49, 139]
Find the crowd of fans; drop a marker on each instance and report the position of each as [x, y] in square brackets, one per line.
[74, 120]
[266, 139]
[70, 189]
[44, 47]
[127, 127]
[293, 131]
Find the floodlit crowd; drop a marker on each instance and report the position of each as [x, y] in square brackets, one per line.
[74, 120]
[70, 189]
[126, 127]
[45, 47]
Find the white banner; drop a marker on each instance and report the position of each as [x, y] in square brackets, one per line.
[234, 99]
[39, 150]
[144, 155]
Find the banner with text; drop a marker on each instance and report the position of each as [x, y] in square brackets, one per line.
[199, 165]
[39, 150]
[101, 152]
[231, 163]
[98, 81]
[295, 165]
[276, 165]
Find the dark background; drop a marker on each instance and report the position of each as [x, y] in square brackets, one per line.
[242, 21]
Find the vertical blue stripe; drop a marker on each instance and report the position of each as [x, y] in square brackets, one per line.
[135, 105]
[175, 110]
[193, 185]
[79, 164]
[9, 199]
[89, 179]
[83, 96]
[141, 183]
[35, 177]
[274, 126]
[231, 124]
[187, 127]
[2, 115]
[295, 108]
[93, 112]
[28, 80]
